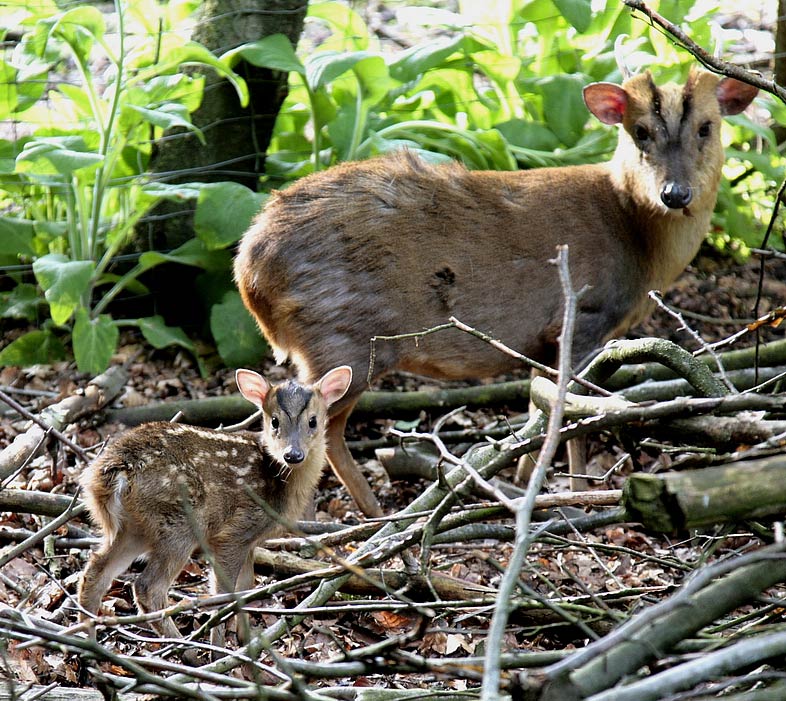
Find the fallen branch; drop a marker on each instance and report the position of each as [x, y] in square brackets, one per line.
[652, 634]
[56, 417]
[675, 501]
[651, 380]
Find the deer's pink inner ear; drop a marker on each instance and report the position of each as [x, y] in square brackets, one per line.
[606, 101]
[335, 383]
[252, 386]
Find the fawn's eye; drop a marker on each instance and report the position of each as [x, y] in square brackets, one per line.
[641, 134]
[274, 423]
[705, 129]
[312, 422]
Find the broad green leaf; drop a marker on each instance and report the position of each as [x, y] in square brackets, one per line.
[167, 116]
[224, 211]
[236, 334]
[579, 12]
[80, 27]
[177, 88]
[67, 154]
[176, 192]
[9, 90]
[175, 57]
[64, 282]
[527, 134]
[497, 66]
[20, 303]
[16, 236]
[324, 67]
[34, 348]
[563, 106]
[94, 341]
[159, 335]
[192, 252]
[274, 52]
[415, 61]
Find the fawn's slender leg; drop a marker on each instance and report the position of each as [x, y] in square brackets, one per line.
[151, 587]
[104, 565]
[344, 465]
[236, 561]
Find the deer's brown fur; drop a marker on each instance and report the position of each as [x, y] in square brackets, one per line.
[393, 245]
[161, 490]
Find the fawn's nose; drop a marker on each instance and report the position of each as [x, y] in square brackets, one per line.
[294, 455]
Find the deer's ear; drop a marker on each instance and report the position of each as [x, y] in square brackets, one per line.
[334, 384]
[734, 96]
[606, 101]
[252, 386]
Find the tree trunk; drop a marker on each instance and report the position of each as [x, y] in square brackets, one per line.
[236, 137]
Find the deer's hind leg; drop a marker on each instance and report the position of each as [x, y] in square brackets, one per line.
[104, 565]
[151, 588]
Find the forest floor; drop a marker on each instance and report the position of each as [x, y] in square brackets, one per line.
[611, 569]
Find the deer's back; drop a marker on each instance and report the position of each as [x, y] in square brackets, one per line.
[161, 478]
[392, 245]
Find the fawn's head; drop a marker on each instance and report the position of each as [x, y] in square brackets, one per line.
[294, 415]
[670, 151]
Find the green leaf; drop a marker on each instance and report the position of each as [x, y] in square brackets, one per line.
[167, 116]
[579, 12]
[532, 135]
[563, 106]
[274, 51]
[347, 24]
[67, 154]
[20, 303]
[236, 334]
[159, 335]
[64, 281]
[324, 67]
[224, 211]
[193, 53]
[34, 348]
[418, 59]
[192, 252]
[16, 236]
[94, 341]
[176, 192]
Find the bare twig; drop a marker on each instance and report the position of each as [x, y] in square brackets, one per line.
[524, 506]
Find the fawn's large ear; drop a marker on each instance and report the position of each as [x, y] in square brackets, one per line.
[252, 386]
[606, 101]
[334, 384]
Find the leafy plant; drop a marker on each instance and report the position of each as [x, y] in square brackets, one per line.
[499, 88]
[501, 91]
[77, 185]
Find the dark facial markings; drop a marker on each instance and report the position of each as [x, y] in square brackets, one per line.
[293, 398]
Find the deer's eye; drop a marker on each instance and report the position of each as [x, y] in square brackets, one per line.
[274, 423]
[641, 134]
[312, 422]
[705, 129]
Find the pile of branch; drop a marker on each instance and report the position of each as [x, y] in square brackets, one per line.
[364, 561]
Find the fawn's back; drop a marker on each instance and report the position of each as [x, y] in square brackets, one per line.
[162, 478]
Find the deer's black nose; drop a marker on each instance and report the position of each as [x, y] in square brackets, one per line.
[676, 195]
[294, 456]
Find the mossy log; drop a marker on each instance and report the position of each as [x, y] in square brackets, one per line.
[675, 501]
